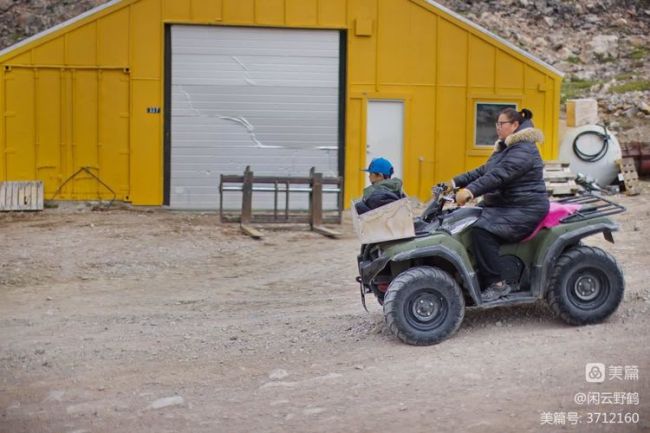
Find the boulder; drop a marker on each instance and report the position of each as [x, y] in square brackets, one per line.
[604, 46]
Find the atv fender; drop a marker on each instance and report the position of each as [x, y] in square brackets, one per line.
[470, 280]
[544, 264]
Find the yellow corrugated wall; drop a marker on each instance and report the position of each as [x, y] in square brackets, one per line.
[79, 97]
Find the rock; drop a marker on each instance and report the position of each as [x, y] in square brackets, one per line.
[525, 40]
[585, 74]
[604, 46]
[499, 324]
[278, 384]
[643, 107]
[313, 411]
[490, 20]
[556, 41]
[564, 53]
[549, 21]
[562, 66]
[621, 22]
[636, 41]
[278, 374]
[161, 403]
[540, 42]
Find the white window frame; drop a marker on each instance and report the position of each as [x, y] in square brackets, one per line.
[507, 103]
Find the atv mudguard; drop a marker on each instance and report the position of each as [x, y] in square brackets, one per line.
[557, 240]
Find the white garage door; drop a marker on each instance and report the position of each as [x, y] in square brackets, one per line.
[268, 98]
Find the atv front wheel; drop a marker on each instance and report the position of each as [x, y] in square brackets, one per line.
[586, 286]
[423, 306]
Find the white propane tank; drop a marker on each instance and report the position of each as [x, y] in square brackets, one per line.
[591, 150]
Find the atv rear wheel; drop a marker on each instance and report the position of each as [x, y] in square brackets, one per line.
[586, 286]
[423, 306]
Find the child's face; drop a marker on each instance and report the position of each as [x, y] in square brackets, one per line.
[375, 177]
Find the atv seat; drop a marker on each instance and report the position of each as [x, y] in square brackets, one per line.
[556, 212]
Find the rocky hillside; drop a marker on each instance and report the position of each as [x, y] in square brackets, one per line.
[23, 18]
[603, 46]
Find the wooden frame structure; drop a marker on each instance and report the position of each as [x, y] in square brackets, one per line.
[316, 185]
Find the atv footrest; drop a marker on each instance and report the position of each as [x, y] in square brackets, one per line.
[516, 298]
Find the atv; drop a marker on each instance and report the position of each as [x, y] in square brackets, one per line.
[424, 283]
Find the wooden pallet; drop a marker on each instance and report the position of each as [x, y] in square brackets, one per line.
[559, 179]
[629, 175]
[21, 196]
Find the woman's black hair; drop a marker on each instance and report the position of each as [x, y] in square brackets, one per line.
[517, 116]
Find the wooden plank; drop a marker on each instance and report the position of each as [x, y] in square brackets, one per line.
[250, 231]
[555, 165]
[326, 232]
[3, 194]
[316, 199]
[558, 175]
[247, 197]
[566, 188]
[40, 196]
[14, 196]
[34, 197]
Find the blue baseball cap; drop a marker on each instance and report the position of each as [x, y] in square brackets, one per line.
[381, 166]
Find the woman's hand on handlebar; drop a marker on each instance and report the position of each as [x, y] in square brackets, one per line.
[463, 196]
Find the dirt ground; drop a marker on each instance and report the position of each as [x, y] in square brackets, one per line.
[156, 321]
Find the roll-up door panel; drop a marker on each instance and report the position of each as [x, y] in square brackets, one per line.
[258, 97]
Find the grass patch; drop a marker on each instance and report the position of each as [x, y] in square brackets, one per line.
[604, 58]
[572, 89]
[625, 76]
[639, 53]
[632, 86]
[574, 60]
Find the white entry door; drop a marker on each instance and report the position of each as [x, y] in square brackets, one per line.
[385, 133]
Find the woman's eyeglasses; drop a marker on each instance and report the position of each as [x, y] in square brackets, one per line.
[500, 124]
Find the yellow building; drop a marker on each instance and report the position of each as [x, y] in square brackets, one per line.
[158, 97]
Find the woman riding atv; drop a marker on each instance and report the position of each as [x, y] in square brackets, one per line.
[514, 198]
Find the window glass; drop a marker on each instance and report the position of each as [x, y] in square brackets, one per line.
[486, 117]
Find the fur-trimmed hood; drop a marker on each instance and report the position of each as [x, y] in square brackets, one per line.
[529, 134]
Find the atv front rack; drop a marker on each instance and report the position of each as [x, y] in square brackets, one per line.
[592, 206]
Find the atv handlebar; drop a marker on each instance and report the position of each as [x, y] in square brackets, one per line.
[441, 193]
